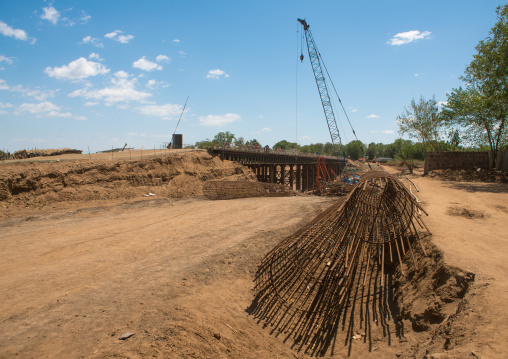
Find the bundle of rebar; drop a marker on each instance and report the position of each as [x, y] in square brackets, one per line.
[314, 279]
[244, 189]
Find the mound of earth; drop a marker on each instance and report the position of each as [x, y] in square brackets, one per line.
[38, 184]
[478, 175]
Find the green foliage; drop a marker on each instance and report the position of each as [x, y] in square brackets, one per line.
[329, 149]
[239, 141]
[354, 149]
[420, 122]
[253, 143]
[3, 154]
[285, 145]
[204, 144]
[324, 149]
[489, 69]
[224, 138]
[480, 109]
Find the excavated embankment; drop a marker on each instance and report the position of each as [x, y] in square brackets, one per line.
[174, 176]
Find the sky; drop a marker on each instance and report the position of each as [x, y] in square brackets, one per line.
[92, 75]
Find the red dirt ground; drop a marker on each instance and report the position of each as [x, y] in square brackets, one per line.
[83, 262]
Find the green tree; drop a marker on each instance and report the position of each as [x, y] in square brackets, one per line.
[481, 108]
[354, 149]
[224, 138]
[239, 141]
[204, 144]
[285, 145]
[313, 148]
[253, 143]
[329, 149]
[372, 151]
[419, 121]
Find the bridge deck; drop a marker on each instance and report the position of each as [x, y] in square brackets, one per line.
[295, 170]
[262, 157]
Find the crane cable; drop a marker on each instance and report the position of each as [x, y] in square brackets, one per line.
[335, 90]
[343, 109]
[296, 92]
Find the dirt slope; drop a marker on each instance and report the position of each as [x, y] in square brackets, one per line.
[29, 185]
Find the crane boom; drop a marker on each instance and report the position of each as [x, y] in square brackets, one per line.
[315, 61]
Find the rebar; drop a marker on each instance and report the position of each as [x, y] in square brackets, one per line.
[338, 265]
[244, 189]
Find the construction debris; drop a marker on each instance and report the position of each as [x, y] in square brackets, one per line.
[312, 281]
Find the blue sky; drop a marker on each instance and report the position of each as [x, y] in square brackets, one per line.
[104, 73]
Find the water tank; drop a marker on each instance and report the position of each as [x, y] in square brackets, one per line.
[177, 141]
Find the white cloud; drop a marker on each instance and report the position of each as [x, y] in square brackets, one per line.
[164, 111]
[43, 109]
[80, 118]
[113, 34]
[122, 74]
[306, 137]
[3, 85]
[176, 40]
[90, 104]
[5, 105]
[124, 39]
[181, 53]
[387, 131]
[93, 41]
[121, 90]
[84, 18]
[77, 70]
[37, 94]
[94, 56]
[372, 116]
[152, 84]
[406, 37]
[51, 14]
[18, 34]
[146, 65]
[218, 120]
[266, 129]
[215, 74]
[6, 59]
[416, 75]
[3, 112]
[116, 35]
[162, 58]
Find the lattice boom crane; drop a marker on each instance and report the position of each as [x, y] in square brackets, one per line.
[315, 61]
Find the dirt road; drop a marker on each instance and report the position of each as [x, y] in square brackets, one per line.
[177, 273]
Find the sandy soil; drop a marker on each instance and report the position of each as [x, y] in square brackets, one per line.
[469, 223]
[178, 272]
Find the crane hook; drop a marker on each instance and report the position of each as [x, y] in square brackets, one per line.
[301, 58]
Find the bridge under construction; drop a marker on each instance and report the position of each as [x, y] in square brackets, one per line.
[296, 170]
